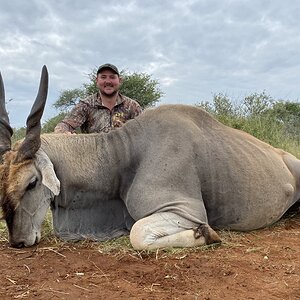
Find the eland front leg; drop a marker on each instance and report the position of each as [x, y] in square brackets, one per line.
[166, 229]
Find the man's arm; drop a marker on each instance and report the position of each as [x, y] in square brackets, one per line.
[63, 127]
[74, 119]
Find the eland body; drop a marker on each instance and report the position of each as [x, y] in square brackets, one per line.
[169, 177]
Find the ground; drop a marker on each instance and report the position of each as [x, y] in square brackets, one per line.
[263, 264]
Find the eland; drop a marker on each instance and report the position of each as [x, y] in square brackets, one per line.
[169, 178]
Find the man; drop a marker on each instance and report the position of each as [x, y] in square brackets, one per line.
[103, 111]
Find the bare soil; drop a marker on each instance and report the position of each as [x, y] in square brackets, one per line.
[264, 264]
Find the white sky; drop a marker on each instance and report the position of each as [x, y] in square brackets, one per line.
[195, 49]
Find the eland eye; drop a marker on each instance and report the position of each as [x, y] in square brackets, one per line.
[32, 184]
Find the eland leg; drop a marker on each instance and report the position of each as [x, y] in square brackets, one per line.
[168, 229]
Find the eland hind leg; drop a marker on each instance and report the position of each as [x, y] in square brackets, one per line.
[166, 229]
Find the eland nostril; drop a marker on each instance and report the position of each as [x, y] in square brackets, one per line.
[37, 240]
[18, 245]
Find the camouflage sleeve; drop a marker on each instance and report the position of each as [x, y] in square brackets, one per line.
[74, 119]
[63, 127]
[135, 109]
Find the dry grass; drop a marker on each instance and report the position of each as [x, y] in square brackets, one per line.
[121, 246]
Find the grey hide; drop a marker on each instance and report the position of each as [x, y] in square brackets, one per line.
[174, 158]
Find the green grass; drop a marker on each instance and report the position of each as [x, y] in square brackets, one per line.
[3, 232]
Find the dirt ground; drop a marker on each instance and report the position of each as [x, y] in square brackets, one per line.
[264, 264]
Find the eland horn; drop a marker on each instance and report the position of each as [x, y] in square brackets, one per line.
[32, 140]
[5, 130]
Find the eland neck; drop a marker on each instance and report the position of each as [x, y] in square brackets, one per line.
[94, 161]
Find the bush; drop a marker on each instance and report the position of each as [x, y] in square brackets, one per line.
[274, 122]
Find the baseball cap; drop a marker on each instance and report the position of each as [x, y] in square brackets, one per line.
[108, 66]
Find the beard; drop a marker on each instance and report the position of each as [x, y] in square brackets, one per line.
[110, 94]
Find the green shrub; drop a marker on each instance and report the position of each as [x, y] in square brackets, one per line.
[274, 122]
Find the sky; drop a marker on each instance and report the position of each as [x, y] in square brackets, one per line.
[194, 49]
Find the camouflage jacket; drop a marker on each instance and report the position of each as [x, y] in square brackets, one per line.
[91, 116]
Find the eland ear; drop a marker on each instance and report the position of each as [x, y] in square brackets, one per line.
[49, 178]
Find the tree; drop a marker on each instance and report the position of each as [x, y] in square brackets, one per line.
[257, 104]
[141, 87]
[68, 98]
[288, 113]
[254, 114]
[19, 133]
[138, 86]
[222, 108]
[49, 125]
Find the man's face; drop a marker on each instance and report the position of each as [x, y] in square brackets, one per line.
[108, 82]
